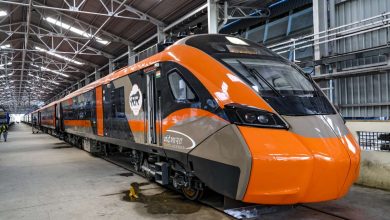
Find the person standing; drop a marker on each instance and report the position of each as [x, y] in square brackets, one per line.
[4, 130]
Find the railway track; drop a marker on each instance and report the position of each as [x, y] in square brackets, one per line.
[242, 210]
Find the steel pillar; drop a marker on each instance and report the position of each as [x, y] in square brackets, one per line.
[97, 74]
[212, 16]
[110, 66]
[160, 34]
[320, 19]
[131, 58]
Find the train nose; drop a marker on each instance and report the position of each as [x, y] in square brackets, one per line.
[313, 161]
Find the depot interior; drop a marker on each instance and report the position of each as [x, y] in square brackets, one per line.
[50, 49]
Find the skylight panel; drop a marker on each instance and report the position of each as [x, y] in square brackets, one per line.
[50, 70]
[59, 56]
[75, 30]
[3, 13]
[5, 46]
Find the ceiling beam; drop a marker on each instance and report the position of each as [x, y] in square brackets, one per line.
[146, 16]
[54, 61]
[58, 11]
[25, 42]
[117, 38]
[100, 52]
[99, 29]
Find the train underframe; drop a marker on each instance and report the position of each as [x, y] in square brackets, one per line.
[154, 167]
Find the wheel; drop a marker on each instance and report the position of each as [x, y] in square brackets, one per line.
[147, 174]
[191, 193]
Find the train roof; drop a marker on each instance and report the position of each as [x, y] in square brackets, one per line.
[203, 42]
[105, 80]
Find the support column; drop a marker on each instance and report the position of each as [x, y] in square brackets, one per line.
[131, 58]
[331, 50]
[319, 24]
[97, 74]
[110, 66]
[332, 24]
[212, 16]
[87, 81]
[160, 34]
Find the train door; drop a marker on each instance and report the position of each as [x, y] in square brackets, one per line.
[60, 118]
[107, 96]
[39, 118]
[150, 116]
[91, 104]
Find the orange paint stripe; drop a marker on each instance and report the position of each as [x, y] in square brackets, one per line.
[77, 123]
[173, 119]
[48, 122]
[99, 110]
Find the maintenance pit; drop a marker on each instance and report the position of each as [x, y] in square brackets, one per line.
[45, 178]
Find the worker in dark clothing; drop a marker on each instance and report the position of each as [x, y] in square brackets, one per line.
[34, 125]
[4, 131]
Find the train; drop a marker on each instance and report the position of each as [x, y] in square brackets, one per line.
[215, 112]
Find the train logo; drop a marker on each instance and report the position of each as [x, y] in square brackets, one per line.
[135, 99]
[179, 140]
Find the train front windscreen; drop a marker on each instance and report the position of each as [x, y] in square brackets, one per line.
[283, 85]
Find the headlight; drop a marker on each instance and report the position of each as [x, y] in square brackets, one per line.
[250, 116]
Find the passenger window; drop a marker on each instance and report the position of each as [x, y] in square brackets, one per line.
[180, 90]
[118, 103]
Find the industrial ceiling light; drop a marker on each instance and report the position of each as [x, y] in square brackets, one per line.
[59, 56]
[3, 13]
[50, 70]
[5, 46]
[9, 74]
[54, 82]
[2, 65]
[75, 30]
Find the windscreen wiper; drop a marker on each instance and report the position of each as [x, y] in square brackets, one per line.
[254, 72]
[311, 80]
[313, 84]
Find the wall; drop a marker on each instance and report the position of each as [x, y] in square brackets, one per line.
[374, 165]
[375, 169]
[367, 95]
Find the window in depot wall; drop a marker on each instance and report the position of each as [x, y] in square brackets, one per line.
[180, 90]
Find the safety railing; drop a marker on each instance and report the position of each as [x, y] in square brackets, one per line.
[374, 141]
[371, 24]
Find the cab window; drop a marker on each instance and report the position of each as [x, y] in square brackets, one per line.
[179, 88]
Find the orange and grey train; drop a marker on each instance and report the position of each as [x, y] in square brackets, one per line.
[220, 112]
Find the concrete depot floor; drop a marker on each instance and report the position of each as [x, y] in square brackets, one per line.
[42, 177]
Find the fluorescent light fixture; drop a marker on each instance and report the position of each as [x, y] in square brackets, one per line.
[46, 87]
[9, 74]
[3, 13]
[2, 65]
[75, 30]
[59, 56]
[5, 46]
[50, 70]
[54, 82]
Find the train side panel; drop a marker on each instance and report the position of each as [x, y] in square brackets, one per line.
[48, 119]
[79, 114]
